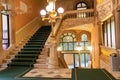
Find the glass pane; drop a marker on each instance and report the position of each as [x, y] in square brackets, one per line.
[109, 33]
[5, 41]
[82, 44]
[83, 5]
[75, 45]
[76, 60]
[86, 45]
[105, 35]
[65, 46]
[5, 30]
[71, 46]
[5, 34]
[79, 5]
[4, 22]
[82, 60]
[113, 33]
[84, 37]
[87, 59]
[68, 39]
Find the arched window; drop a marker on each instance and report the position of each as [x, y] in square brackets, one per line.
[84, 37]
[85, 53]
[81, 6]
[84, 42]
[68, 41]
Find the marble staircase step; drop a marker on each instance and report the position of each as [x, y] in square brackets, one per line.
[41, 66]
[42, 61]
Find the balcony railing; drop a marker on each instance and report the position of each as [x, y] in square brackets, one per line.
[79, 14]
[75, 14]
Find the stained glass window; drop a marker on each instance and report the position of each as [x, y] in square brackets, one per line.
[84, 37]
[68, 41]
[84, 42]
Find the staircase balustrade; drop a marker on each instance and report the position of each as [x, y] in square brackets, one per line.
[74, 14]
[79, 14]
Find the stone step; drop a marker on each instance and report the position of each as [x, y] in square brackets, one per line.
[42, 61]
[43, 57]
[4, 65]
[41, 66]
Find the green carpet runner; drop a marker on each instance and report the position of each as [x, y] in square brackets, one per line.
[30, 52]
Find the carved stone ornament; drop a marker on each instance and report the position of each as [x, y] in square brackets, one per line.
[118, 8]
[104, 9]
[13, 13]
[1, 7]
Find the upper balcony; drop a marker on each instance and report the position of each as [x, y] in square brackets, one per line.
[72, 19]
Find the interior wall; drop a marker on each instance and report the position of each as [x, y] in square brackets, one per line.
[26, 10]
[71, 4]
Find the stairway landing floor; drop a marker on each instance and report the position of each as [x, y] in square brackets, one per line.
[50, 73]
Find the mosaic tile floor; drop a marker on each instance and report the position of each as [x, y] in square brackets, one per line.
[49, 73]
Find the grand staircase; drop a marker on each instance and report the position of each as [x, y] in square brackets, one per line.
[32, 49]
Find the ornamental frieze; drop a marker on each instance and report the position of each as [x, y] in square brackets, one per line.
[104, 9]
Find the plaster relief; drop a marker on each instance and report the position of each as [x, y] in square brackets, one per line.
[104, 9]
[23, 7]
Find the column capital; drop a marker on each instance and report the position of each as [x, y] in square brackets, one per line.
[2, 7]
[118, 8]
[13, 13]
[100, 22]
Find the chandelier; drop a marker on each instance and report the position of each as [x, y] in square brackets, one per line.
[50, 14]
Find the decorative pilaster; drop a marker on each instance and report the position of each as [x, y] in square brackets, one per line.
[101, 41]
[53, 59]
[116, 13]
[12, 25]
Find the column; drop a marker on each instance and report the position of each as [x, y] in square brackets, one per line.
[101, 34]
[12, 25]
[117, 26]
[53, 59]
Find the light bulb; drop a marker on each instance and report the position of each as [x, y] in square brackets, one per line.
[49, 7]
[60, 10]
[43, 12]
